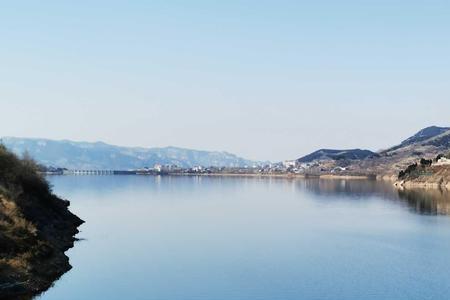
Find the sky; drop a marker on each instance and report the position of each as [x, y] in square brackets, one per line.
[266, 80]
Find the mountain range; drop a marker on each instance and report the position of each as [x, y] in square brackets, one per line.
[427, 143]
[102, 156]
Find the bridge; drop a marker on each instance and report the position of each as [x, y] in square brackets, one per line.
[91, 172]
[111, 172]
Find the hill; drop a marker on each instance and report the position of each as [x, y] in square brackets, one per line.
[36, 228]
[425, 134]
[427, 143]
[102, 156]
[331, 154]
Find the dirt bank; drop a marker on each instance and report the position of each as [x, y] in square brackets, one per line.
[36, 228]
[427, 177]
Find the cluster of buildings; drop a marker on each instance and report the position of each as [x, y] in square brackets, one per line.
[285, 167]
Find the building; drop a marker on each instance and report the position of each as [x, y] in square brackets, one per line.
[290, 163]
[443, 161]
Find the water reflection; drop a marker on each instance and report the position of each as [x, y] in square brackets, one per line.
[421, 201]
[427, 201]
[347, 188]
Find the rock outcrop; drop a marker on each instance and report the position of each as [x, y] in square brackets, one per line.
[36, 228]
[434, 176]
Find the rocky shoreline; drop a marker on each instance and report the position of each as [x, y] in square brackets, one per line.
[36, 228]
[35, 257]
[432, 177]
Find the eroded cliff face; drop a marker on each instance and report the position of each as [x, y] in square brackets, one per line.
[36, 228]
[32, 245]
[427, 177]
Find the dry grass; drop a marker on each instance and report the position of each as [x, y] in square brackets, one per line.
[12, 217]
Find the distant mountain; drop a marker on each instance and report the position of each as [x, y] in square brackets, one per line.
[426, 140]
[332, 154]
[101, 156]
[425, 134]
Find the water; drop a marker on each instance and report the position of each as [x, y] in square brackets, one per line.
[247, 238]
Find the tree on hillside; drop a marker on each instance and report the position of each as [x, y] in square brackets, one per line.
[425, 162]
[439, 157]
[410, 170]
[23, 173]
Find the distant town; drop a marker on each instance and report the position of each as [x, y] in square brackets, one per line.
[289, 167]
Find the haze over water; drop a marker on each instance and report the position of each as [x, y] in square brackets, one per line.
[248, 238]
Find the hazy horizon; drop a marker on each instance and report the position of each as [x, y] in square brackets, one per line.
[263, 80]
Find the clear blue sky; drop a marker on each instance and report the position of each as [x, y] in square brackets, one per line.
[263, 79]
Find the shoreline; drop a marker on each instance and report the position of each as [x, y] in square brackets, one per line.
[432, 177]
[265, 175]
[46, 260]
[385, 178]
[422, 185]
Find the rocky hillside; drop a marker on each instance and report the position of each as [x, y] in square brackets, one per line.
[427, 143]
[435, 139]
[427, 173]
[432, 177]
[101, 156]
[36, 228]
[423, 135]
[331, 154]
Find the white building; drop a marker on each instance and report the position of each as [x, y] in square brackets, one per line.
[442, 162]
[197, 168]
[289, 163]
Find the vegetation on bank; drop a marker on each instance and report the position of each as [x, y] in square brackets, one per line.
[417, 169]
[35, 228]
[21, 175]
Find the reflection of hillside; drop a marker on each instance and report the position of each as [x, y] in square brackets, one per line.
[349, 188]
[427, 201]
[432, 201]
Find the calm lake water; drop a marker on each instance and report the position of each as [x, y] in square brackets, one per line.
[182, 238]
